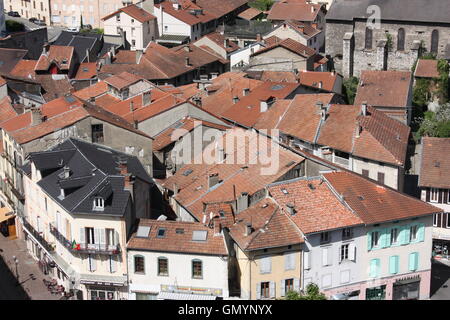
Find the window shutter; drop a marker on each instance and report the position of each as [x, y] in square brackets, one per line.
[297, 284]
[404, 237]
[393, 264]
[427, 197]
[373, 268]
[113, 264]
[82, 235]
[93, 263]
[413, 261]
[258, 290]
[421, 232]
[63, 227]
[307, 260]
[369, 241]
[439, 225]
[440, 195]
[324, 256]
[282, 288]
[386, 236]
[116, 237]
[352, 252]
[58, 221]
[378, 267]
[272, 289]
[269, 264]
[444, 220]
[96, 236]
[289, 261]
[330, 257]
[102, 239]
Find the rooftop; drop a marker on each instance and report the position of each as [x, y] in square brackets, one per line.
[427, 69]
[435, 163]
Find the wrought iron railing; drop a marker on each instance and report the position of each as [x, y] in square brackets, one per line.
[37, 235]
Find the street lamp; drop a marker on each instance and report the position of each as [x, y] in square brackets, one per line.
[16, 261]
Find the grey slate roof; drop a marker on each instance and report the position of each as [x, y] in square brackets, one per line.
[93, 172]
[432, 11]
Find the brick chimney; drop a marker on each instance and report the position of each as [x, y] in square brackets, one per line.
[364, 108]
[36, 116]
[248, 229]
[258, 37]
[146, 98]
[187, 61]
[213, 179]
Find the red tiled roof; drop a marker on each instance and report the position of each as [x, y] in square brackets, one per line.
[178, 242]
[270, 227]
[56, 54]
[168, 135]
[219, 39]
[133, 11]
[20, 121]
[122, 80]
[6, 109]
[184, 13]
[24, 69]
[316, 206]
[249, 14]
[427, 69]
[125, 56]
[384, 88]
[93, 91]
[60, 105]
[374, 203]
[294, 11]
[86, 70]
[106, 100]
[325, 80]
[289, 44]
[279, 76]
[220, 8]
[247, 110]
[435, 163]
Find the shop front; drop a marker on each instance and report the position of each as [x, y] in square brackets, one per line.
[376, 293]
[7, 223]
[407, 289]
[103, 290]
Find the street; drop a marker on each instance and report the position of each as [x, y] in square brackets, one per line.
[52, 31]
[440, 281]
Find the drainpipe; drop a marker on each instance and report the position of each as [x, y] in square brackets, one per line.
[250, 280]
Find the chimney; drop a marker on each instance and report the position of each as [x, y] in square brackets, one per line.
[66, 172]
[87, 55]
[258, 37]
[131, 106]
[248, 229]
[36, 116]
[136, 124]
[217, 227]
[242, 202]
[213, 179]
[358, 130]
[245, 91]
[333, 73]
[225, 43]
[290, 208]
[213, 75]
[187, 48]
[364, 108]
[221, 154]
[138, 56]
[46, 48]
[146, 98]
[263, 106]
[175, 189]
[187, 61]
[312, 9]
[319, 105]
[320, 85]
[235, 99]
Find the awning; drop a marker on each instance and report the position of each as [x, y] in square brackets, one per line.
[184, 296]
[172, 38]
[5, 214]
[92, 279]
[407, 280]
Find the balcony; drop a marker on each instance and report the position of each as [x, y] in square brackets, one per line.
[17, 193]
[37, 235]
[341, 161]
[84, 247]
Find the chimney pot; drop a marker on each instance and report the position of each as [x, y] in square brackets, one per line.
[187, 61]
[248, 229]
[213, 179]
[364, 108]
[245, 91]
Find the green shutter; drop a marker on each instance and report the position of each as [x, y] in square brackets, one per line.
[369, 241]
[404, 235]
[413, 261]
[378, 267]
[374, 268]
[421, 232]
[393, 264]
[385, 238]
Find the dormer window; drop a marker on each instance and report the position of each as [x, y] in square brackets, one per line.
[99, 203]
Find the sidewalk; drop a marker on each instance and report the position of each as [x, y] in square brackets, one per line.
[30, 276]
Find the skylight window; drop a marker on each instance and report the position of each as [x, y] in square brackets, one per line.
[143, 231]
[179, 231]
[284, 191]
[199, 235]
[161, 233]
[277, 87]
[187, 172]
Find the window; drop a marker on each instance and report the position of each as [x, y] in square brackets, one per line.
[166, 28]
[42, 6]
[99, 203]
[97, 133]
[394, 236]
[91, 263]
[346, 233]
[139, 266]
[161, 233]
[265, 290]
[375, 239]
[413, 261]
[413, 233]
[132, 21]
[324, 237]
[133, 43]
[344, 252]
[146, 296]
[380, 177]
[434, 41]
[368, 38]
[365, 173]
[265, 265]
[90, 239]
[401, 39]
[163, 267]
[110, 237]
[132, 31]
[197, 269]
[112, 265]
[448, 220]
[434, 195]
[393, 264]
[101, 294]
[374, 268]
[288, 285]
[435, 220]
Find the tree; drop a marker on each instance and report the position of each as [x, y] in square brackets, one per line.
[312, 293]
[262, 5]
[435, 124]
[350, 87]
[14, 26]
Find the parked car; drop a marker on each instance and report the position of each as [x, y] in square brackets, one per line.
[73, 29]
[87, 26]
[40, 22]
[13, 14]
[33, 19]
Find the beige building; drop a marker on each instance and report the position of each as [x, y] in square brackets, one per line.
[80, 212]
[39, 9]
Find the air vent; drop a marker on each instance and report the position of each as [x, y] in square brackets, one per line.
[311, 186]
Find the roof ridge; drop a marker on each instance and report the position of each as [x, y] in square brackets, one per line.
[259, 231]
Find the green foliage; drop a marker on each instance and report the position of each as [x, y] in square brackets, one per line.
[435, 124]
[14, 26]
[312, 293]
[389, 41]
[262, 5]
[443, 69]
[96, 30]
[350, 87]
[421, 92]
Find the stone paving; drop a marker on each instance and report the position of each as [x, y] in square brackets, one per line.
[30, 276]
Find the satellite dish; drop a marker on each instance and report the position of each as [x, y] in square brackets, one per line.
[162, 218]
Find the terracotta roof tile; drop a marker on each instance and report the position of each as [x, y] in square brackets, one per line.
[6, 109]
[93, 91]
[106, 100]
[384, 88]
[219, 39]
[122, 80]
[374, 203]
[323, 80]
[135, 12]
[184, 13]
[60, 55]
[250, 13]
[220, 8]
[294, 11]
[289, 44]
[24, 69]
[178, 242]
[435, 163]
[427, 69]
[86, 70]
[279, 76]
